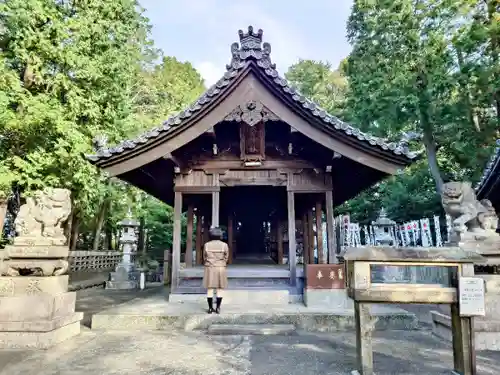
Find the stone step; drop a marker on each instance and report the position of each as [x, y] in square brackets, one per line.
[251, 329]
[240, 297]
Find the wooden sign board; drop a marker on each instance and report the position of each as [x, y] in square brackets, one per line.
[325, 276]
[471, 296]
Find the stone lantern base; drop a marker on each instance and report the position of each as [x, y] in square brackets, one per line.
[37, 312]
[123, 279]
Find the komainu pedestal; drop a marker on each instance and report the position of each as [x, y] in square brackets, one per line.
[36, 309]
[474, 229]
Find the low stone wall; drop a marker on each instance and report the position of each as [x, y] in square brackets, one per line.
[92, 261]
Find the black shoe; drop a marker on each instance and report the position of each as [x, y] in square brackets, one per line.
[219, 301]
[210, 307]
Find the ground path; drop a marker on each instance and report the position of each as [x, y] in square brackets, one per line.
[193, 353]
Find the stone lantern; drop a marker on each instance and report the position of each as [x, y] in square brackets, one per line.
[383, 237]
[125, 275]
[382, 228]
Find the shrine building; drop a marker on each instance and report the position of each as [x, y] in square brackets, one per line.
[489, 185]
[255, 157]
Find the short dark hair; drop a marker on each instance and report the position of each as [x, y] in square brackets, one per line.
[215, 234]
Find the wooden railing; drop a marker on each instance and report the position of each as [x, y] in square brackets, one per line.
[92, 261]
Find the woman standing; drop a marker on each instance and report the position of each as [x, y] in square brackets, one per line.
[215, 255]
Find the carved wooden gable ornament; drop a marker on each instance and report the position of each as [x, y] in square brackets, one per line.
[252, 117]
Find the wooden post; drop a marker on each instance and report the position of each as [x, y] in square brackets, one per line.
[292, 244]
[279, 242]
[364, 349]
[199, 240]
[462, 329]
[305, 239]
[319, 232]
[230, 236]
[215, 209]
[330, 228]
[189, 237]
[176, 242]
[311, 235]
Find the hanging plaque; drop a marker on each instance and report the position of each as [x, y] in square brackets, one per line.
[471, 296]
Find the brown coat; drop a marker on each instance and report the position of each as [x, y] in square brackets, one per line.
[215, 254]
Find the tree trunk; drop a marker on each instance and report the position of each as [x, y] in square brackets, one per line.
[75, 230]
[466, 95]
[141, 240]
[428, 135]
[103, 209]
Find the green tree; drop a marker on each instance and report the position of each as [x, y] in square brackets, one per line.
[317, 81]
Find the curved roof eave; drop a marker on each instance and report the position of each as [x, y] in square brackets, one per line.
[252, 53]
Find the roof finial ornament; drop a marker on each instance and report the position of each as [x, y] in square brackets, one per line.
[250, 48]
[100, 143]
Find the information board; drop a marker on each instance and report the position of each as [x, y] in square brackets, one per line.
[471, 296]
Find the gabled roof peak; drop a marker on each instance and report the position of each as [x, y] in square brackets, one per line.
[250, 47]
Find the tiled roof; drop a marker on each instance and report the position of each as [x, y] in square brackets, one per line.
[492, 166]
[249, 49]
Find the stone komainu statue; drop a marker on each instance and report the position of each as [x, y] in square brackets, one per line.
[468, 215]
[39, 227]
[43, 215]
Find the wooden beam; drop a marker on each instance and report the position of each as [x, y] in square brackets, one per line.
[330, 228]
[199, 239]
[279, 242]
[189, 236]
[175, 160]
[319, 232]
[292, 244]
[305, 239]
[176, 241]
[230, 236]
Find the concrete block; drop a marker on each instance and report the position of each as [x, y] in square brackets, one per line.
[29, 308]
[30, 285]
[328, 298]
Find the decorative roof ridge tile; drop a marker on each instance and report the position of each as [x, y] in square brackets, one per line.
[250, 48]
[494, 160]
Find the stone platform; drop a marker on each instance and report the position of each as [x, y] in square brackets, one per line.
[156, 313]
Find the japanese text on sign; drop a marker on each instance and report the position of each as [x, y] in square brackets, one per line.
[471, 299]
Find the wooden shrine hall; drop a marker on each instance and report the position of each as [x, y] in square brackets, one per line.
[255, 157]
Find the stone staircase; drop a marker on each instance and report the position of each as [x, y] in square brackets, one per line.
[254, 300]
[251, 297]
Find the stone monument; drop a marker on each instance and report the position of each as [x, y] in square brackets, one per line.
[474, 226]
[126, 275]
[36, 309]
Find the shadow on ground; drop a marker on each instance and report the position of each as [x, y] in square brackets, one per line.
[95, 300]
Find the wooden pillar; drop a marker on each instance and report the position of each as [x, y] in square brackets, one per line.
[215, 209]
[305, 239]
[292, 244]
[364, 346]
[189, 236]
[319, 231]
[230, 236]
[199, 238]
[330, 228]
[206, 228]
[462, 329]
[176, 242]
[310, 226]
[279, 242]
